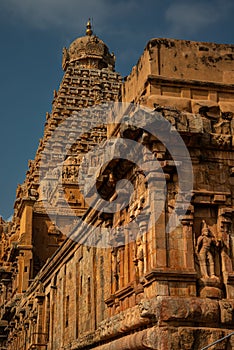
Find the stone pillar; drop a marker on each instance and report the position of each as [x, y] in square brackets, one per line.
[39, 326]
[157, 233]
[25, 246]
[20, 272]
[188, 240]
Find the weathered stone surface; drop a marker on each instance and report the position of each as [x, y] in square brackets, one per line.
[152, 288]
[206, 107]
[226, 107]
[182, 104]
[168, 309]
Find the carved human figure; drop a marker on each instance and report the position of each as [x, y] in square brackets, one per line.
[116, 267]
[203, 248]
[44, 190]
[139, 255]
[226, 246]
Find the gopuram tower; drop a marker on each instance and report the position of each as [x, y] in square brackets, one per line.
[32, 237]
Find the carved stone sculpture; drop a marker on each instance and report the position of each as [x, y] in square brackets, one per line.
[204, 251]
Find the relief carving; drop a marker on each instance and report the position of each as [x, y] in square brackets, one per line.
[65, 58]
[226, 241]
[226, 311]
[124, 321]
[221, 131]
[148, 308]
[221, 140]
[70, 173]
[139, 256]
[206, 243]
[116, 267]
[222, 126]
[140, 253]
[186, 337]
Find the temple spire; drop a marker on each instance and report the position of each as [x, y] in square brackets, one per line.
[89, 28]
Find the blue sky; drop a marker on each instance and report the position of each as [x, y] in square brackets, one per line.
[33, 34]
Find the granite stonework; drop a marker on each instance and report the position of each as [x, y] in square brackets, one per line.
[161, 290]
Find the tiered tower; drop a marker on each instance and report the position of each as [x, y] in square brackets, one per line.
[32, 237]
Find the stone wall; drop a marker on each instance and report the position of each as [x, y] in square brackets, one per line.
[152, 288]
[183, 74]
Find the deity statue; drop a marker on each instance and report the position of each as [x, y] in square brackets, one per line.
[140, 256]
[205, 242]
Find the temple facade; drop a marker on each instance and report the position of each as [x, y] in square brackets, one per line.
[163, 277]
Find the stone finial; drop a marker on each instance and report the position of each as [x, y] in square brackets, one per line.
[89, 28]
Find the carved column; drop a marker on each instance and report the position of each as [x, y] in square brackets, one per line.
[39, 327]
[188, 239]
[157, 233]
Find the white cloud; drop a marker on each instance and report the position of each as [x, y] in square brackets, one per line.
[193, 16]
[50, 13]
[66, 13]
